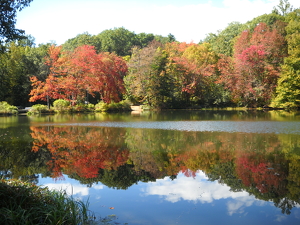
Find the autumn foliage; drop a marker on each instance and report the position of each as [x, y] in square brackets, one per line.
[80, 72]
[251, 75]
[80, 151]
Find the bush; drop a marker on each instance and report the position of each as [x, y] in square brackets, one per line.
[112, 107]
[6, 108]
[61, 105]
[84, 107]
[38, 108]
[101, 107]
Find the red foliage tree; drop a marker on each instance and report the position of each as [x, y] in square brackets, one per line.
[73, 74]
[252, 74]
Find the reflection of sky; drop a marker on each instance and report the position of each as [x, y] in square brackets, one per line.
[185, 201]
[200, 190]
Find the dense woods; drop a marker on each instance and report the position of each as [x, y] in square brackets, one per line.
[255, 64]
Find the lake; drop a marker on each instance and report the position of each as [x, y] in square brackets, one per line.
[164, 168]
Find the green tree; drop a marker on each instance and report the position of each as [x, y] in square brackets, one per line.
[268, 19]
[117, 40]
[82, 39]
[144, 39]
[8, 13]
[170, 38]
[223, 41]
[15, 74]
[284, 7]
[288, 87]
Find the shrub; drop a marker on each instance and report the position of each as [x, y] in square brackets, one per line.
[112, 107]
[125, 105]
[61, 105]
[101, 107]
[6, 108]
[84, 107]
[38, 108]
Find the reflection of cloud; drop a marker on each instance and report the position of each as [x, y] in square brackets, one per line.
[70, 189]
[280, 218]
[197, 189]
[239, 204]
[98, 187]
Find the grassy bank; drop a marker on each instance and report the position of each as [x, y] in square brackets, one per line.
[26, 203]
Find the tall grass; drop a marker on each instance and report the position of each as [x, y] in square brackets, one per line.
[26, 204]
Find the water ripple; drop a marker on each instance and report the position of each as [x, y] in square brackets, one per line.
[212, 126]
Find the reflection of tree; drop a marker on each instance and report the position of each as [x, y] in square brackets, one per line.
[16, 158]
[225, 173]
[265, 165]
[285, 205]
[123, 177]
[155, 151]
[81, 150]
[266, 173]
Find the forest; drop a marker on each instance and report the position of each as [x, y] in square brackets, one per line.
[252, 64]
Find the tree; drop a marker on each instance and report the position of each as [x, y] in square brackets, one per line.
[284, 7]
[268, 19]
[8, 11]
[82, 39]
[74, 74]
[117, 40]
[192, 68]
[145, 80]
[288, 88]
[253, 73]
[14, 71]
[144, 39]
[223, 41]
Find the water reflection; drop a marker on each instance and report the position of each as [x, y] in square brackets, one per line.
[200, 190]
[253, 168]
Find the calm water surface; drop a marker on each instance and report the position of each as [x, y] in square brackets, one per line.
[175, 167]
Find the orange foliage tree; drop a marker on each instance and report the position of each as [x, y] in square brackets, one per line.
[192, 65]
[80, 72]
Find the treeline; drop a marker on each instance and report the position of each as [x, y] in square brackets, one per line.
[255, 64]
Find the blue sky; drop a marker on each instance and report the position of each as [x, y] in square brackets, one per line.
[188, 20]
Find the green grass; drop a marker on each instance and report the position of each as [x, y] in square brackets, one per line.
[26, 203]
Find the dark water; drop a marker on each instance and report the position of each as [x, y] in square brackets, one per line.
[176, 167]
